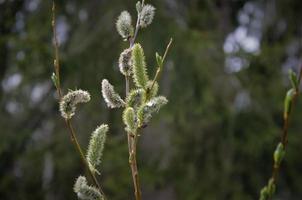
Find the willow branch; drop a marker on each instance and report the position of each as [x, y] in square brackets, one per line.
[284, 135]
[159, 68]
[68, 122]
[132, 137]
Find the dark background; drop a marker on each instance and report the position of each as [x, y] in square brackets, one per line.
[225, 78]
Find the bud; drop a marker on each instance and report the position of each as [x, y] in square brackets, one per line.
[124, 25]
[279, 154]
[129, 119]
[140, 75]
[146, 111]
[55, 80]
[96, 147]
[70, 100]
[86, 192]
[112, 99]
[146, 15]
[288, 102]
[264, 194]
[125, 62]
[271, 187]
[159, 59]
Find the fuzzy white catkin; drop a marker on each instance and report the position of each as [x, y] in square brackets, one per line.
[70, 100]
[146, 111]
[124, 25]
[112, 99]
[125, 62]
[146, 15]
[86, 192]
[96, 146]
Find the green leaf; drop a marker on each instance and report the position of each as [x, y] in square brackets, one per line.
[159, 59]
[293, 79]
[140, 75]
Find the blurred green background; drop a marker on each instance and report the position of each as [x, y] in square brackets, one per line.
[225, 78]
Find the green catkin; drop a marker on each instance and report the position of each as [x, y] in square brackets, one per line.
[96, 147]
[136, 98]
[140, 75]
[129, 119]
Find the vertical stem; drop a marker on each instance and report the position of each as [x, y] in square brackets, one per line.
[59, 91]
[132, 145]
[132, 137]
[284, 136]
[127, 85]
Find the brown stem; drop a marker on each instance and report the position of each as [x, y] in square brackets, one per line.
[80, 151]
[132, 40]
[132, 145]
[60, 94]
[127, 85]
[132, 137]
[284, 136]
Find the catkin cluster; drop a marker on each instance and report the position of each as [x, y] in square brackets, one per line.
[139, 104]
[142, 101]
[95, 148]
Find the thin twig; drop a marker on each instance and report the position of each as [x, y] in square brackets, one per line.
[60, 94]
[284, 136]
[159, 68]
[132, 40]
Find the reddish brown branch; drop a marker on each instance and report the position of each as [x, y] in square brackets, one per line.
[68, 122]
